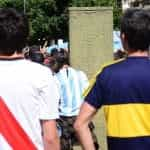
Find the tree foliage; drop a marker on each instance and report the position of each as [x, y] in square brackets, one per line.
[49, 18]
[116, 4]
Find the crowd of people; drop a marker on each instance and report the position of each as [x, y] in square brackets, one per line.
[71, 83]
[42, 106]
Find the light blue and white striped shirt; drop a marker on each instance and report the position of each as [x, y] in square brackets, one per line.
[72, 84]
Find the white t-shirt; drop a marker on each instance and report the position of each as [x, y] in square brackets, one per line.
[30, 92]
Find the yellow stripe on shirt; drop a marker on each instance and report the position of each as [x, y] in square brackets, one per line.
[128, 120]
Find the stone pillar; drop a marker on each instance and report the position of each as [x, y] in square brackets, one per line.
[90, 37]
[91, 45]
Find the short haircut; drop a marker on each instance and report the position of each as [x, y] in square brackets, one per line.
[36, 56]
[14, 30]
[135, 24]
[34, 48]
[58, 58]
[54, 52]
[62, 57]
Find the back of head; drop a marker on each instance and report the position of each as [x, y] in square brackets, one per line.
[135, 25]
[59, 58]
[34, 48]
[37, 57]
[119, 54]
[14, 30]
[63, 57]
[35, 54]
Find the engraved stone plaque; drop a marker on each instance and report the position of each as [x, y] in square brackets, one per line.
[91, 30]
[91, 45]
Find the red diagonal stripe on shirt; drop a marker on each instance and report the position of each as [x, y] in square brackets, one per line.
[12, 131]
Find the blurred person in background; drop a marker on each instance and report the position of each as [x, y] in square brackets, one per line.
[119, 54]
[72, 83]
[35, 54]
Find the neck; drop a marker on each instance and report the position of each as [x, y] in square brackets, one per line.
[15, 55]
[138, 53]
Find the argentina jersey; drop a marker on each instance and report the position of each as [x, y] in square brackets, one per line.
[72, 84]
[123, 89]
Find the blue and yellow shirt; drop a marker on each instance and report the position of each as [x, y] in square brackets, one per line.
[123, 89]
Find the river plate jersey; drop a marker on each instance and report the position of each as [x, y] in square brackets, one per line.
[123, 89]
[29, 91]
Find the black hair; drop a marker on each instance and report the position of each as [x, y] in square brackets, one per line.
[36, 57]
[59, 57]
[119, 54]
[63, 57]
[135, 24]
[34, 48]
[14, 30]
[54, 52]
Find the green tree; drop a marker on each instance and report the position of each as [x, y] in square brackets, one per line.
[116, 4]
[49, 18]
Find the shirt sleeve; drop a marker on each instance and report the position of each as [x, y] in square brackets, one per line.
[95, 95]
[83, 80]
[49, 99]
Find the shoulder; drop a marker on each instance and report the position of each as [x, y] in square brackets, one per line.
[71, 69]
[110, 67]
[103, 73]
[81, 74]
[76, 71]
[35, 67]
[36, 72]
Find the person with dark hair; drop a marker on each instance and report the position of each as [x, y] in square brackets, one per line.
[51, 61]
[122, 88]
[36, 57]
[119, 54]
[28, 92]
[72, 82]
[35, 54]
[34, 48]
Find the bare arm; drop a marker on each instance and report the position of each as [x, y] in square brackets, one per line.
[81, 126]
[50, 135]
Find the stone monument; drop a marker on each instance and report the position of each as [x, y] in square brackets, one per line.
[91, 31]
[91, 45]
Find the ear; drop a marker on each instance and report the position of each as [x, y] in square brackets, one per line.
[122, 36]
[124, 41]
